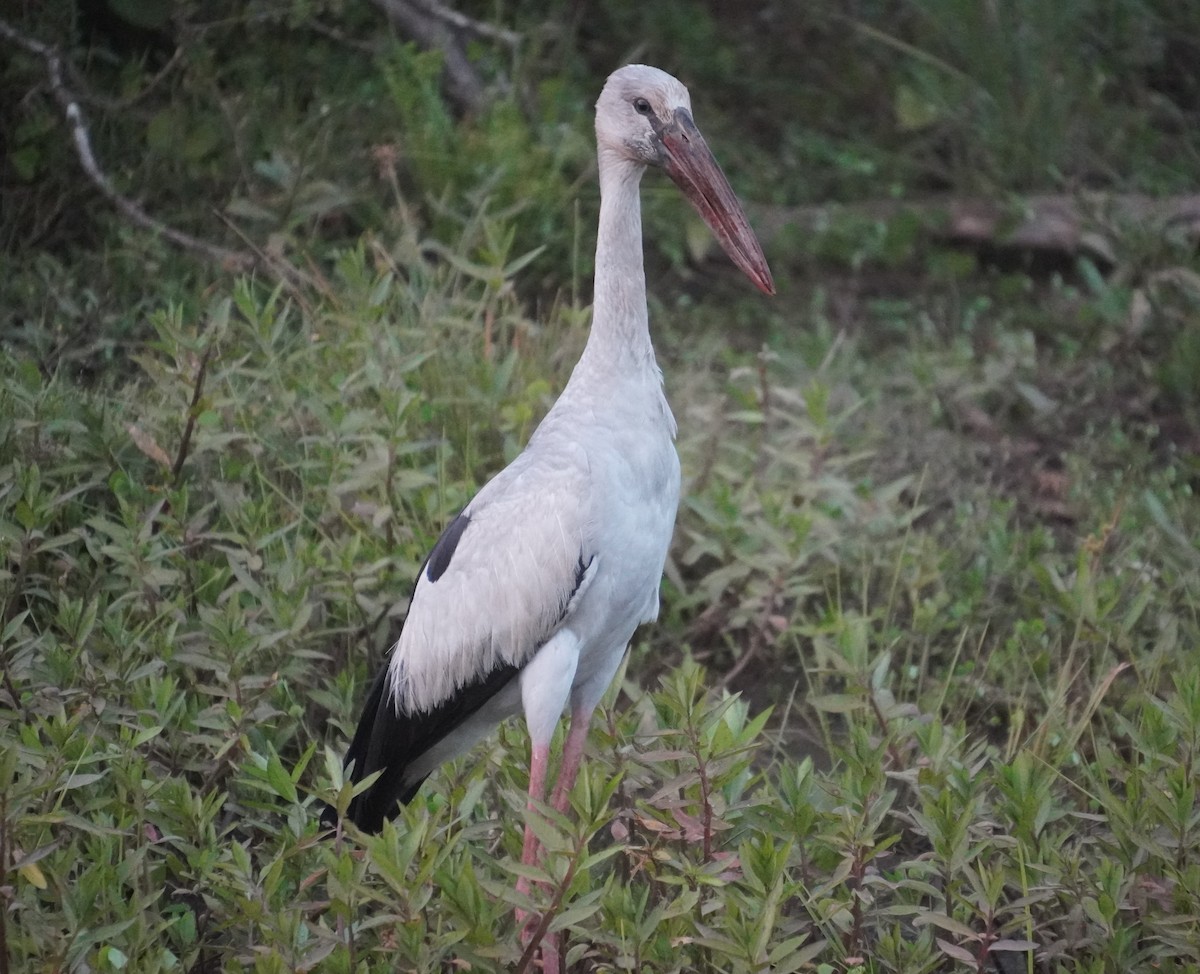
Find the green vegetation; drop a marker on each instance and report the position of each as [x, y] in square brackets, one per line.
[939, 529]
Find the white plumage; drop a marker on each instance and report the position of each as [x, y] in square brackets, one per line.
[530, 598]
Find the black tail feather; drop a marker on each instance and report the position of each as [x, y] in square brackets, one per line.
[392, 741]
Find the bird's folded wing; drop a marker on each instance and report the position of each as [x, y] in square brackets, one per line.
[505, 574]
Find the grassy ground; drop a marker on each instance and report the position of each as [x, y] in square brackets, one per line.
[938, 536]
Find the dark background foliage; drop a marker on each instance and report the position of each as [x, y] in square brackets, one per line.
[939, 521]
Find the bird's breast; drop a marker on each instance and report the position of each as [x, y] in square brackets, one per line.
[635, 502]
[624, 434]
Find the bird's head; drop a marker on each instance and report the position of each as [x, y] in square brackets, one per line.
[644, 117]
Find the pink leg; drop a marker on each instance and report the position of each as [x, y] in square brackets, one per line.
[571, 759]
[539, 761]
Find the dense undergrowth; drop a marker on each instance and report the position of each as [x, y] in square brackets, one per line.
[939, 527]
[1002, 756]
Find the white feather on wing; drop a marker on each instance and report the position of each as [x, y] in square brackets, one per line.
[506, 588]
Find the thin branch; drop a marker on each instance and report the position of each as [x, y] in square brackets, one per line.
[341, 37]
[462, 22]
[886, 727]
[4, 967]
[230, 259]
[543, 928]
[758, 636]
[463, 83]
[271, 260]
[122, 104]
[185, 441]
[11, 689]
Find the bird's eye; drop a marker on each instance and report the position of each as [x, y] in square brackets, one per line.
[641, 106]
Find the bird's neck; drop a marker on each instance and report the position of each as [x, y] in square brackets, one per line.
[620, 335]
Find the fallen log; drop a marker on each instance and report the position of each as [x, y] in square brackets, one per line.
[1087, 224]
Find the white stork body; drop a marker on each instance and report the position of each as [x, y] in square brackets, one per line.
[531, 596]
[559, 600]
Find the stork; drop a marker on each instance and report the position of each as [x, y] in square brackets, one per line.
[531, 595]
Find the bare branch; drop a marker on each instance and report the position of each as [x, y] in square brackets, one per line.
[462, 22]
[121, 104]
[69, 103]
[463, 83]
[341, 37]
[185, 441]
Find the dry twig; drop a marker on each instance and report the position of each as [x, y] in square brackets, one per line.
[433, 25]
[463, 22]
[185, 441]
[80, 135]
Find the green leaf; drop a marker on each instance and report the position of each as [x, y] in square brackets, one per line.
[279, 779]
[164, 132]
[838, 703]
[114, 957]
[150, 14]
[32, 874]
[913, 112]
[25, 161]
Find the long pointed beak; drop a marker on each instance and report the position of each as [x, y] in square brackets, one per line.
[689, 162]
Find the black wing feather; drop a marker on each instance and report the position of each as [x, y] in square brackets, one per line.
[439, 558]
[392, 741]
